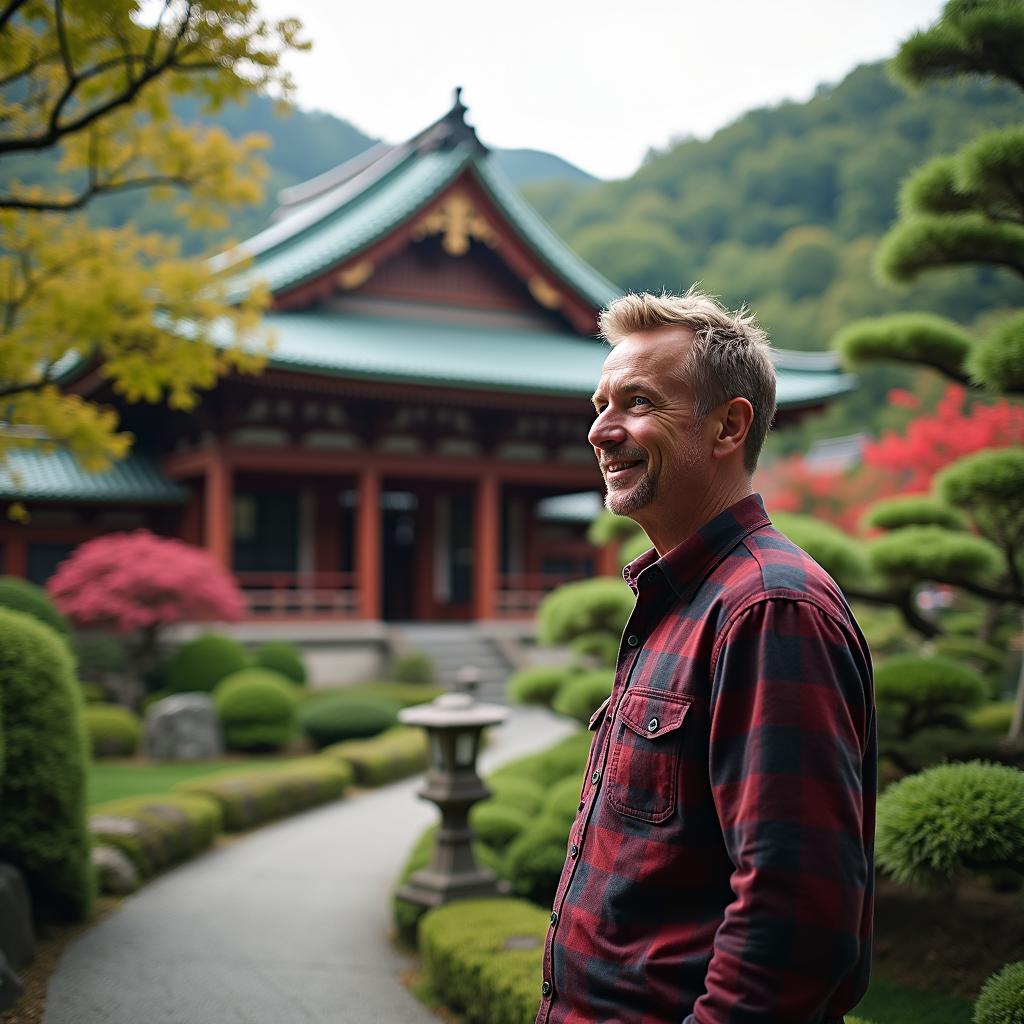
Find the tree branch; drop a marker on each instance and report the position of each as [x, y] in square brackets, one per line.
[93, 190]
[903, 602]
[9, 10]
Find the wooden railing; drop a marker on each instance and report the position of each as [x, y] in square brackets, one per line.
[520, 593]
[286, 595]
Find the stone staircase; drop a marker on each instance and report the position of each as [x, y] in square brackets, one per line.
[452, 647]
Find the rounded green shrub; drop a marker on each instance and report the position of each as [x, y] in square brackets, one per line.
[993, 718]
[608, 528]
[838, 554]
[256, 708]
[914, 553]
[534, 860]
[22, 596]
[988, 479]
[599, 648]
[536, 685]
[203, 662]
[1001, 1000]
[497, 824]
[998, 362]
[562, 801]
[284, 659]
[589, 606]
[933, 682]
[567, 757]
[42, 790]
[912, 510]
[521, 793]
[633, 548]
[981, 656]
[113, 730]
[955, 817]
[583, 695]
[346, 718]
[414, 667]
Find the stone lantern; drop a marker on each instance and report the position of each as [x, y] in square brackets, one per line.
[454, 723]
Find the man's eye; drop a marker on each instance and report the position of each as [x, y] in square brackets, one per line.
[639, 400]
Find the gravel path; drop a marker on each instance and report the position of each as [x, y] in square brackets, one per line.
[287, 926]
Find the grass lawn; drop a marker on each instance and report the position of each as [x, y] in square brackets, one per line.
[888, 1002]
[110, 780]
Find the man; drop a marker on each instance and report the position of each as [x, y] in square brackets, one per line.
[720, 865]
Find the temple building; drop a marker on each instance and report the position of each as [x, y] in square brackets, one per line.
[415, 449]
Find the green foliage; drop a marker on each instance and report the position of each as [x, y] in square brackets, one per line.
[990, 486]
[344, 717]
[597, 648]
[929, 684]
[405, 695]
[933, 188]
[993, 718]
[42, 788]
[521, 793]
[397, 752]
[916, 553]
[934, 825]
[283, 658]
[912, 510]
[536, 685]
[982, 657]
[22, 596]
[1001, 1000]
[415, 667]
[157, 831]
[838, 554]
[566, 757]
[562, 801]
[915, 338]
[634, 548]
[497, 824]
[583, 694]
[200, 664]
[589, 606]
[113, 731]
[256, 708]
[997, 362]
[484, 956]
[98, 655]
[608, 528]
[534, 860]
[251, 797]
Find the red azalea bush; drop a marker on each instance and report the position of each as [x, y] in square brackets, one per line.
[128, 582]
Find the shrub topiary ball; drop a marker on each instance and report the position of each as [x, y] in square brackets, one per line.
[113, 730]
[536, 685]
[257, 709]
[338, 718]
[583, 695]
[534, 860]
[42, 790]
[497, 824]
[1002, 997]
[283, 658]
[414, 668]
[203, 662]
[21, 596]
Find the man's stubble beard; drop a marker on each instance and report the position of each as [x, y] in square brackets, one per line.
[625, 503]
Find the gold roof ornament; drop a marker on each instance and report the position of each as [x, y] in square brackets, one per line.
[459, 221]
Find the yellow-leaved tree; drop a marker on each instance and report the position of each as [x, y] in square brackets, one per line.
[92, 81]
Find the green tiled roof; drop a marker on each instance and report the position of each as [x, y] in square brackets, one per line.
[491, 357]
[57, 476]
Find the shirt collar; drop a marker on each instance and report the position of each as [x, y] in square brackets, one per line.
[688, 564]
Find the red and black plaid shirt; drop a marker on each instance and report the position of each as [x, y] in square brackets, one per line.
[720, 868]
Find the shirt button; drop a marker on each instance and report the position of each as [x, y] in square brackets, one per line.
[632, 640]
[545, 988]
[595, 778]
[554, 917]
[573, 850]
[652, 725]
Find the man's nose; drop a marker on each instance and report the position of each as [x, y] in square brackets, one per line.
[606, 431]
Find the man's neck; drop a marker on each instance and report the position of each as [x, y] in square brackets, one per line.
[686, 518]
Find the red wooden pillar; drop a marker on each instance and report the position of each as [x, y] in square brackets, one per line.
[368, 560]
[16, 554]
[608, 560]
[217, 506]
[190, 525]
[486, 538]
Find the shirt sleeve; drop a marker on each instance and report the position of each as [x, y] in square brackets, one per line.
[791, 725]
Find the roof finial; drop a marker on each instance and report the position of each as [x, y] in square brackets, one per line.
[458, 107]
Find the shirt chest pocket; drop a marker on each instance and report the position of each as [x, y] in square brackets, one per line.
[643, 764]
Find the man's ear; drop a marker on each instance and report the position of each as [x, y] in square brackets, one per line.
[733, 421]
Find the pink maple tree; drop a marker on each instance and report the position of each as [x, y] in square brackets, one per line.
[138, 583]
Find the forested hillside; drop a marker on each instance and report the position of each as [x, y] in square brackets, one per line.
[783, 208]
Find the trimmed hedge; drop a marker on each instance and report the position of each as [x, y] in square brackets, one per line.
[285, 659]
[600, 605]
[113, 731]
[42, 790]
[522, 794]
[598, 648]
[1002, 997]
[536, 685]
[929, 683]
[485, 957]
[534, 860]
[394, 754]
[203, 662]
[562, 801]
[994, 718]
[568, 756]
[497, 824]
[252, 797]
[414, 667]
[343, 717]
[582, 695]
[256, 707]
[157, 831]
[22, 596]
[405, 695]
[934, 825]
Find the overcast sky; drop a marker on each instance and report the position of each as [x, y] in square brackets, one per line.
[598, 82]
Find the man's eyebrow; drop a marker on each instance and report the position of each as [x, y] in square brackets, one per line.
[628, 387]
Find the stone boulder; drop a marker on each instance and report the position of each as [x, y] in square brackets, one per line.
[10, 985]
[115, 871]
[17, 939]
[182, 728]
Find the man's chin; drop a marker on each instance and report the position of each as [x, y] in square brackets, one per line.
[625, 503]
